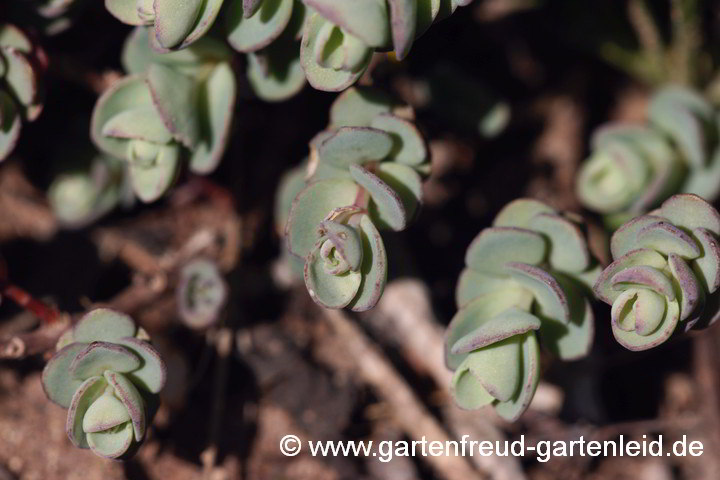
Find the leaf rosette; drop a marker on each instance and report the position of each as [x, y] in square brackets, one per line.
[364, 174]
[106, 373]
[665, 274]
[530, 273]
[174, 25]
[21, 88]
[341, 35]
[201, 293]
[170, 107]
[634, 168]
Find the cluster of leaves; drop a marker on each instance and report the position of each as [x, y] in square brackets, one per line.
[170, 108]
[338, 36]
[81, 196]
[364, 174]
[530, 272]
[108, 375]
[634, 168]
[21, 88]
[665, 274]
[201, 293]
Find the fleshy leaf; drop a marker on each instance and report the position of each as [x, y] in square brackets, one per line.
[387, 207]
[513, 321]
[85, 395]
[645, 276]
[467, 390]
[113, 443]
[707, 266]
[551, 300]
[408, 144]
[603, 287]
[142, 123]
[218, 93]
[689, 212]
[320, 77]
[520, 212]
[478, 311]
[358, 106]
[624, 239]
[330, 291]
[152, 373]
[472, 284]
[373, 268]
[667, 239]
[498, 367]
[104, 413]
[354, 145]
[175, 20]
[691, 293]
[405, 181]
[636, 342]
[57, 382]
[403, 19]
[175, 96]
[150, 183]
[365, 19]
[568, 249]
[103, 325]
[494, 247]
[131, 398]
[100, 356]
[512, 409]
[249, 34]
[311, 206]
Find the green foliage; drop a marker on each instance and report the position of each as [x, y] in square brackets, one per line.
[341, 35]
[530, 272]
[108, 376]
[269, 32]
[21, 87]
[665, 274]
[79, 197]
[201, 293]
[174, 25]
[364, 174]
[172, 107]
[633, 168]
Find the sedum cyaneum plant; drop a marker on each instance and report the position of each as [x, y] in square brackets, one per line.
[106, 373]
[171, 107]
[665, 274]
[528, 274]
[364, 174]
[633, 168]
[21, 87]
[341, 35]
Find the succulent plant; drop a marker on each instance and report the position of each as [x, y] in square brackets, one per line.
[108, 376]
[341, 35]
[665, 274]
[633, 168]
[171, 107]
[530, 272]
[79, 197]
[364, 174]
[201, 293]
[269, 32]
[21, 88]
[175, 25]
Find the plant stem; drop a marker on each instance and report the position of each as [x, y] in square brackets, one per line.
[648, 36]
[46, 313]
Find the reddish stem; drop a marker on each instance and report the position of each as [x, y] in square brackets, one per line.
[46, 313]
